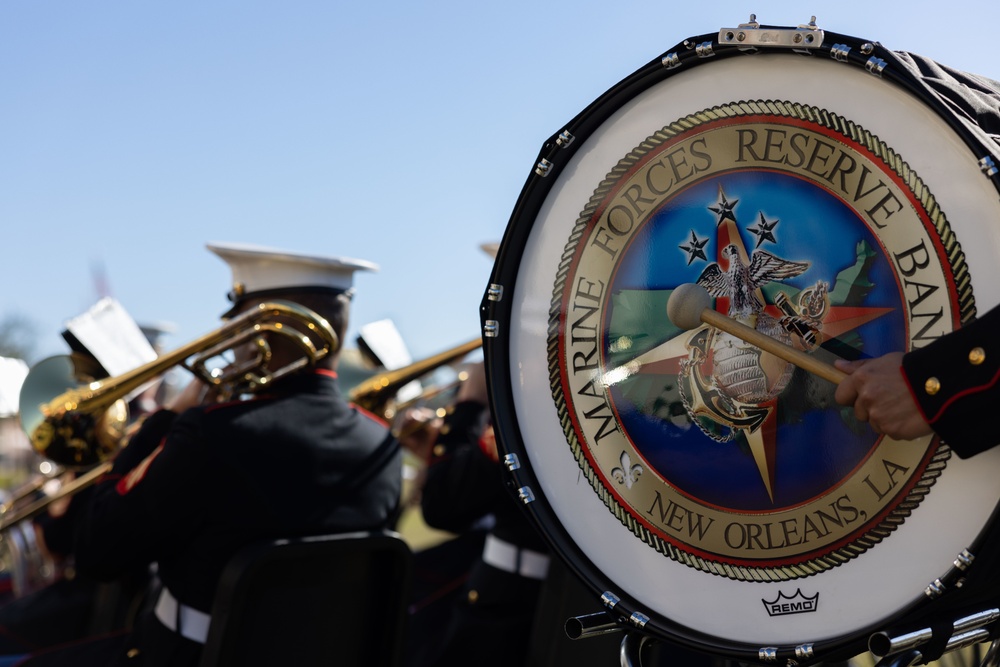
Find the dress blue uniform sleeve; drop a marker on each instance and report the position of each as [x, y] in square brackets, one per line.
[149, 436]
[147, 509]
[955, 382]
[462, 484]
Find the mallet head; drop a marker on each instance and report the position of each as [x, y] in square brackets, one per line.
[685, 305]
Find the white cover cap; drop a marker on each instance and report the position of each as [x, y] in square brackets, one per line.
[260, 269]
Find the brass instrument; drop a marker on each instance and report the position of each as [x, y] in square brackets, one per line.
[431, 395]
[36, 484]
[36, 507]
[374, 394]
[84, 425]
[377, 393]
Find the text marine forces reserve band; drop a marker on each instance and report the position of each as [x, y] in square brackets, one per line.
[720, 496]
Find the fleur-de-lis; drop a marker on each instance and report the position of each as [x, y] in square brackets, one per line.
[628, 474]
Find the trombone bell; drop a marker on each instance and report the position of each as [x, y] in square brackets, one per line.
[60, 432]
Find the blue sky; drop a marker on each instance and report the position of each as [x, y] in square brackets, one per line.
[133, 132]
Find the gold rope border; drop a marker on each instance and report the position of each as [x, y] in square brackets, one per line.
[966, 303]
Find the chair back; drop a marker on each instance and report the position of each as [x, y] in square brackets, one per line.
[326, 600]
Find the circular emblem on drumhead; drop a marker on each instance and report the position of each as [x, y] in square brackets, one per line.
[805, 227]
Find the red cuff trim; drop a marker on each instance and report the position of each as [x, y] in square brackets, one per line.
[962, 394]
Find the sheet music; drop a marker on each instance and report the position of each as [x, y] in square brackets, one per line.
[109, 333]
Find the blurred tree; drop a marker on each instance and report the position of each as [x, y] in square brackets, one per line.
[17, 336]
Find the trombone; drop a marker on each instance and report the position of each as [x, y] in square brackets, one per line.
[83, 426]
[376, 394]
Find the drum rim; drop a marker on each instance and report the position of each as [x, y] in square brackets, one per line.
[556, 152]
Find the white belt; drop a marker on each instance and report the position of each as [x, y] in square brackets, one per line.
[510, 558]
[182, 619]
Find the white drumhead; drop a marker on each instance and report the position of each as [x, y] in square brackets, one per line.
[691, 552]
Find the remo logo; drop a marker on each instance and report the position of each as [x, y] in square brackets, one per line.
[805, 227]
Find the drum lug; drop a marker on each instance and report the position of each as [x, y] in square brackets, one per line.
[526, 495]
[671, 60]
[964, 560]
[565, 139]
[988, 166]
[491, 328]
[494, 292]
[512, 462]
[767, 654]
[638, 619]
[951, 580]
[609, 599]
[840, 52]
[543, 168]
[875, 66]
[804, 652]
[935, 589]
[704, 50]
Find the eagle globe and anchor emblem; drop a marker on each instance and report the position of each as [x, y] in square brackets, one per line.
[718, 455]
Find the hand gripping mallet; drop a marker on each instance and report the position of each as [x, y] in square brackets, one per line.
[689, 305]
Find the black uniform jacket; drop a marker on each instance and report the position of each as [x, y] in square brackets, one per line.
[955, 382]
[496, 609]
[190, 490]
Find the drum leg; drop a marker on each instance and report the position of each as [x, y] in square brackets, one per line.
[992, 658]
[631, 650]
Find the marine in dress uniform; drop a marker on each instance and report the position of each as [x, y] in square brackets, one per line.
[194, 487]
[492, 619]
[70, 605]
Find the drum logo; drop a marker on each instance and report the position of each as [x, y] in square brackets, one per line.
[796, 604]
[809, 230]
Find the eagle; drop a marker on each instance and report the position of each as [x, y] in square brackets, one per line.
[740, 282]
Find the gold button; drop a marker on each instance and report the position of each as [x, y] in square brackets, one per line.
[445, 430]
[932, 386]
[133, 653]
[473, 596]
[977, 356]
[439, 450]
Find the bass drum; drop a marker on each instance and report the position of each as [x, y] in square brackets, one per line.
[833, 194]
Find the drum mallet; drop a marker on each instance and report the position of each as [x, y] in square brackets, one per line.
[690, 305]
